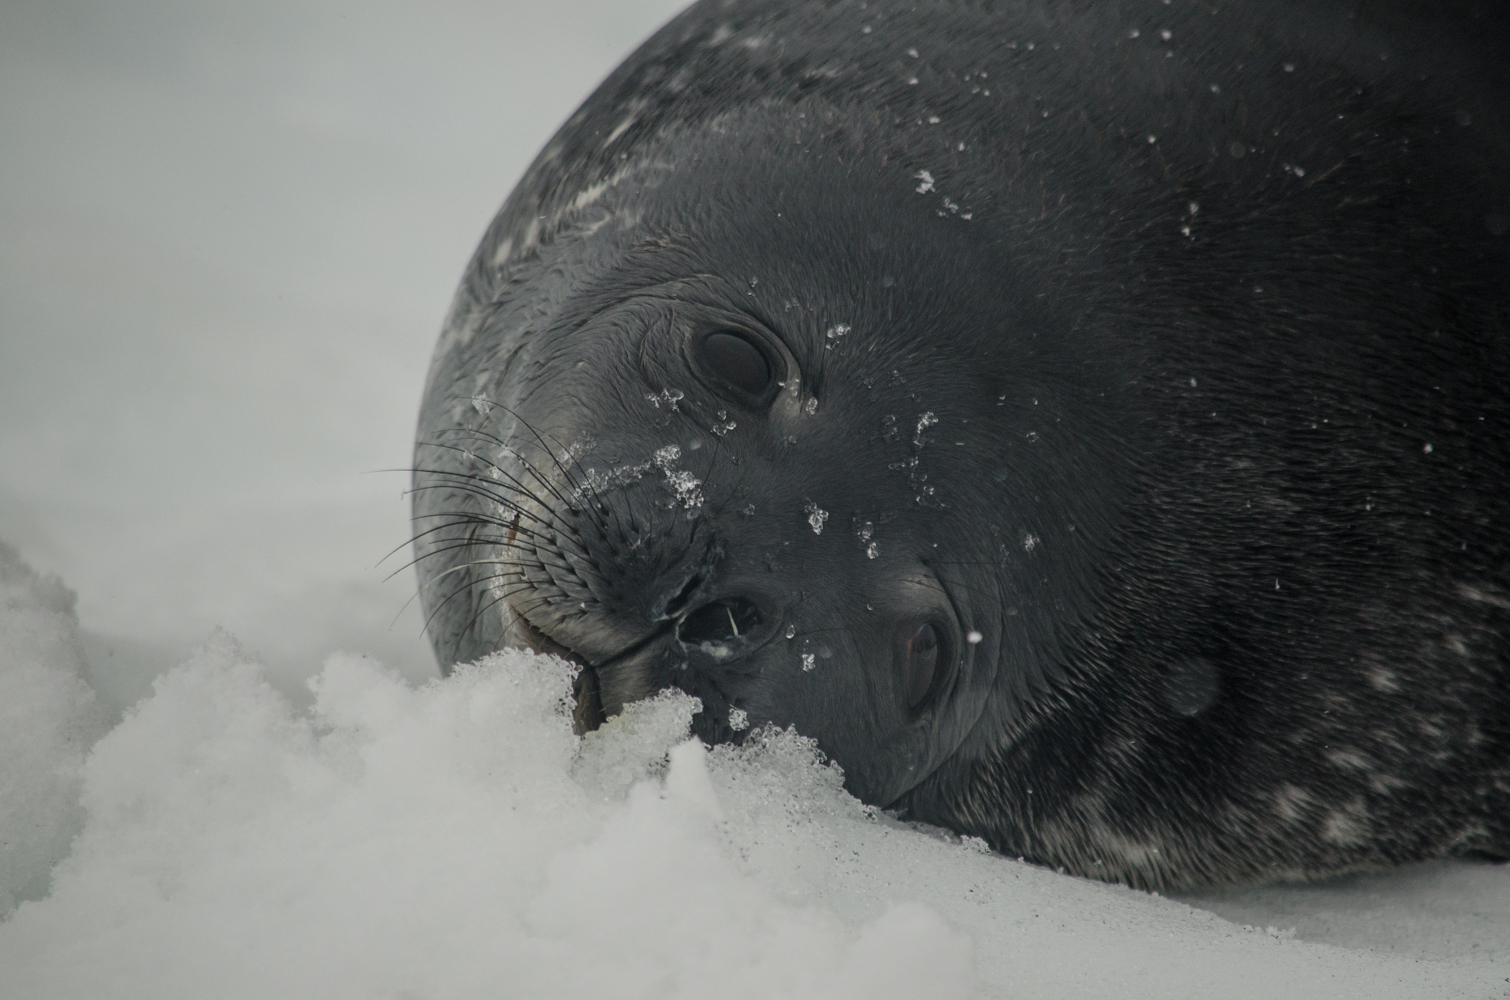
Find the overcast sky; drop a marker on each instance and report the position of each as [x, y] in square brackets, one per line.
[228, 234]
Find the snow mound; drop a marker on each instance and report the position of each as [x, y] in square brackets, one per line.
[457, 840]
[454, 840]
[48, 720]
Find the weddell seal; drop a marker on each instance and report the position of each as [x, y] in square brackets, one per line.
[1088, 421]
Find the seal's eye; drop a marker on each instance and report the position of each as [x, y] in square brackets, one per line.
[733, 358]
[921, 661]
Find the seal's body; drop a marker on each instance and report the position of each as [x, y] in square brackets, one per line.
[1088, 421]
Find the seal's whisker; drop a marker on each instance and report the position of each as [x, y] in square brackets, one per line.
[460, 519]
[468, 565]
[534, 528]
[519, 613]
[529, 467]
[461, 545]
[418, 591]
[587, 480]
[511, 524]
[533, 471]
[542, 529]
[497, 600]
[599, 510]
[513, 480]
[474, 536]
[507, 503]
[465, 588]
[480, 485]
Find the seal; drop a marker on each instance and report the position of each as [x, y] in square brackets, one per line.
[1086, 421]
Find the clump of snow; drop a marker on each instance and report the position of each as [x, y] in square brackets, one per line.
[49, 717]
[453, 840]
[456, 839]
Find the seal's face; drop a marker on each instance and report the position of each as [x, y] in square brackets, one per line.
[1095, 451]
[743, 444]
[713, 531]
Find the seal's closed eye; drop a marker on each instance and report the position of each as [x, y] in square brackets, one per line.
[732, 358]
[921, 658]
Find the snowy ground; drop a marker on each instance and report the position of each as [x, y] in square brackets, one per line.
[227, 237]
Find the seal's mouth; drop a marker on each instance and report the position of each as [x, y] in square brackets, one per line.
[588, 688]
[679, 629]
[587, 714]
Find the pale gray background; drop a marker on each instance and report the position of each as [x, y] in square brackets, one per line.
[228, 235]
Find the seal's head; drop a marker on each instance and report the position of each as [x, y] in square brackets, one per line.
[742, 432]
[1094, 451]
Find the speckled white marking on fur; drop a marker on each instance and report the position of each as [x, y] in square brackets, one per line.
[1291, 802]
[1347, 826]
[1480, 597]
[1351, 760]
[619, 130]
[1135, 855]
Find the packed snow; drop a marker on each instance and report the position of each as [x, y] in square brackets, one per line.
[228, 233]
[456, 839]
[49, 718]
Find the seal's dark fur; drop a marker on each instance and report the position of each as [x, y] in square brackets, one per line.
[1225, 287]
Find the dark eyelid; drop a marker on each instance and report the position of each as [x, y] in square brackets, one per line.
[735, 358]
[750, 368]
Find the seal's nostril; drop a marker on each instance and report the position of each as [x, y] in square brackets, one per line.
[676, 604]
[719, 621]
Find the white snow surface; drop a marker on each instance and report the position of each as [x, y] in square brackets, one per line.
[455, 839]
[49, 717]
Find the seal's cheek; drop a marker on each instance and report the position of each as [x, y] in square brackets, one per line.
[870, 673]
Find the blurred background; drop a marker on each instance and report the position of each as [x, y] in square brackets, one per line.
[228, 235]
